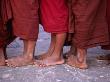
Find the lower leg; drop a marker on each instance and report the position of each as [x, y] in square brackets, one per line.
[2, 57]
[81, 55]
[52, 44]
[60, 39]
[30, 49]
[50, 50]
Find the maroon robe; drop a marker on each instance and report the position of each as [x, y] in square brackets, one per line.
[108, 20]
[54, 15]
[6, 35]
[71, 17]
[25, 18]
[3, 35]
[90, 23]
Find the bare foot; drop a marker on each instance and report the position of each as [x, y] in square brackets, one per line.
[72, 61]
[43, 56]
[19, 61]
[2, 58]
[49, 61]
[2, 61]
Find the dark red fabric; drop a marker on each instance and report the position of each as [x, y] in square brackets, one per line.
[54, 15]
[6, 11]
[108, 20]
[90, 23]
[3, 35]
[6, 35]
[25, 18]
[71, 17]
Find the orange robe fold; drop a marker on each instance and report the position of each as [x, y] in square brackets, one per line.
[91, 28]
[25, 18]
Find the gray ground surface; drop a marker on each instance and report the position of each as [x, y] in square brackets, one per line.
[97, 72]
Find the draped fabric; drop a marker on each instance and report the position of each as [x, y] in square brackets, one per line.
[90, 27]
[25, 18]
[108, 20]
[6, 35]
[54, 15]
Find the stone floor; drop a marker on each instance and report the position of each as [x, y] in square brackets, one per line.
[97, 72]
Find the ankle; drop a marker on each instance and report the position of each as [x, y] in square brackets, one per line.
[81, 54]
[28, 56]
[1, 53]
